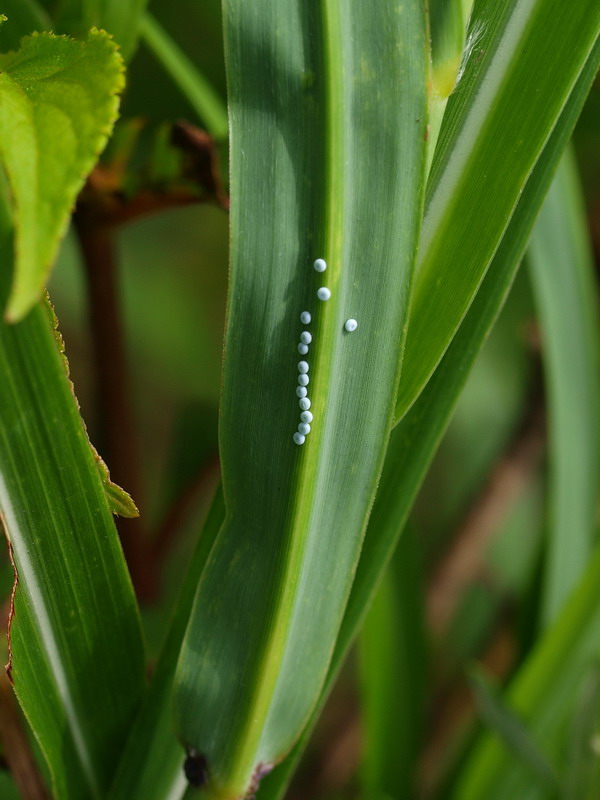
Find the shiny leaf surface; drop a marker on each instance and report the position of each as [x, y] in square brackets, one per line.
[277, 581]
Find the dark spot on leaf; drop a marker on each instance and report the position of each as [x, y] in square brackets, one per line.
[196, 769]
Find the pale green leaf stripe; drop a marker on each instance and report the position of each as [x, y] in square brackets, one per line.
[448, 23]
[562, 272]
[196, 88]
[523, 65]
[415, 440]
[544, 694]
[327, 160]
[77, 655]
[58, 103]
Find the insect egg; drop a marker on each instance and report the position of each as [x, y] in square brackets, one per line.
[306, 416]
[320, 265]
[304, 404]
[301, 391]
[303, 379]
[302, 349]
[351, 325]
[305, 317]
[305, 337]
[304, 428]
[299, 438]
[324, 293]
[303, 366]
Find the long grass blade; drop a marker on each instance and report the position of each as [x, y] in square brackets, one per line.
[278, 579]
[75, 639]
[414, 441]
[201, 95]
[562, 273]
[523, 64]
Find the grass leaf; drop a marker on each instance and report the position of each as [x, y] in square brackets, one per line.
[277, 581]
[510, 729]
[543, 693]
[527, 58]
[201, 95]
[415, 440]
[562, 271]
[393, 666]
[76, 645]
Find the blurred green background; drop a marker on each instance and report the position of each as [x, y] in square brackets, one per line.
[172, 281]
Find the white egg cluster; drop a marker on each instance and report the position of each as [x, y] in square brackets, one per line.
[306, 416]
[303, 381]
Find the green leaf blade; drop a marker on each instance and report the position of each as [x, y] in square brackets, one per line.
[201, 95]
[415, 439]
[543, 693]
[562, 272]
[296, 515]
[58, 102]
[523, 65]
[74, 608]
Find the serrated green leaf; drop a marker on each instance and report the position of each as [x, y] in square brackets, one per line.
[58, 102]
[562, 272]
[516, 82]
[76, 646]
[278, 578]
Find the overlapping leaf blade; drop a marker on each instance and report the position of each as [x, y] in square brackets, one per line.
[393, 666]
[545, 695]
[562, 273]
[151, 765]
[201, 95]
[415, 440]
[77, 656]
[312, 91]
[525, 56]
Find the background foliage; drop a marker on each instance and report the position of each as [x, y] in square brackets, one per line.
[498, 563]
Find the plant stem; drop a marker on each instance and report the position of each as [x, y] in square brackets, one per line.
[17, 752]
[115, 416]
